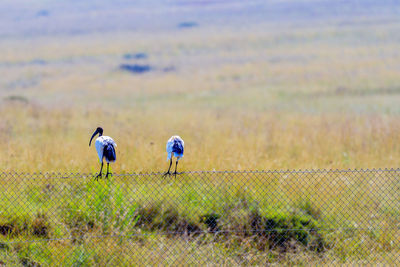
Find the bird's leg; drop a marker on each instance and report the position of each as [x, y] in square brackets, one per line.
[99, 175]
[168, 173]
[108, 173]
[176, 167]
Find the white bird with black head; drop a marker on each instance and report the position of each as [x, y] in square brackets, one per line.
[105, 147]
[175, 147]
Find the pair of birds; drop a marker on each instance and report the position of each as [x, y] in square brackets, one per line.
[105, 147]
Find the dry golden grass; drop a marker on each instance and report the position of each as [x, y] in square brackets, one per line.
[41, 139]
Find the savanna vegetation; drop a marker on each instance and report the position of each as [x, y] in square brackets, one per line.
[255, 96]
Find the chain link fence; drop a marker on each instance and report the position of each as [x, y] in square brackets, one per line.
[201, 218]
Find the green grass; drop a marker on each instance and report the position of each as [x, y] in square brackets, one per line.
[243, 218]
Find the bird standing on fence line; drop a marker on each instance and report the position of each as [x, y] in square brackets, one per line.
[105, 147]
[175, 146]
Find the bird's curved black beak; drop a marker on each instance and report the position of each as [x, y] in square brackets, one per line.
[94, 134]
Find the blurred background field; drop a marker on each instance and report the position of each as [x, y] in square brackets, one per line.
[248, 85]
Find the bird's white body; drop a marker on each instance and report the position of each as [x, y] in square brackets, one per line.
[176, 146]
[100, 143]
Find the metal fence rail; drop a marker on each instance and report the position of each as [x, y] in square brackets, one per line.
[200, 218]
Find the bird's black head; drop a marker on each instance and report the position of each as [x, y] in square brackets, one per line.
[99, 131]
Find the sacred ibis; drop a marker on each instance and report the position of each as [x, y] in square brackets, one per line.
[175, 147]
[105, 147]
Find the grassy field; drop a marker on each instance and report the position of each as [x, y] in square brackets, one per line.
[217, 218]
[244, 92]
[314, 100]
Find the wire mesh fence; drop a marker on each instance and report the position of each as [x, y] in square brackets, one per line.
[200, 218]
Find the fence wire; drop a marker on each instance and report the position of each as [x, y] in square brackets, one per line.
[201, 218]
